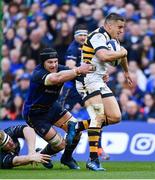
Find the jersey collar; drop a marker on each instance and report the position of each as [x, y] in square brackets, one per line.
[103, 31]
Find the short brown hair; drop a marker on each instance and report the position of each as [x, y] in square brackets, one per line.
[114, 17]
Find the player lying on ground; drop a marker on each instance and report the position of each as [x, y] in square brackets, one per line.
[10, 147]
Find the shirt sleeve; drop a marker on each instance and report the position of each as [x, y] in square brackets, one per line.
[16, 131]
[6, 161]
[71, 54]
[40, 76]
[98, 41]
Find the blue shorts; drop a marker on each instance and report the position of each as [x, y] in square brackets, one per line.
[41, 121]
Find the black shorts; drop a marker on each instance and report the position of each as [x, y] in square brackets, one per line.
[42, 121]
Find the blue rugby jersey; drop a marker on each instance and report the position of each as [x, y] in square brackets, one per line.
[6, 158]
[40, 97]
[74, 52]
[70, 96]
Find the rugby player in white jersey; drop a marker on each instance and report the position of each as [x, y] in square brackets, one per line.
[97, 96]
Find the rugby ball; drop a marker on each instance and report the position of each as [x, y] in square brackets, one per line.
[114, 45]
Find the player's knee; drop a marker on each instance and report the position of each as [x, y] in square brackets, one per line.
[97, 121]
[96, 113]
[65, 125]
[62, 145]
[57, 142]
[116, 118]
[100, 120]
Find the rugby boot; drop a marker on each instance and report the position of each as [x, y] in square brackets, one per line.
[48, 165]
[94, 165]
[70, 162]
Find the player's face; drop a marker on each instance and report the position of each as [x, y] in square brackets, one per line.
[81, 38]
[116, 29]
[51, 65]
[10, 146]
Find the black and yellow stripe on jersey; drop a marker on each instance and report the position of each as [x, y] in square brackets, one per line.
[88, 51]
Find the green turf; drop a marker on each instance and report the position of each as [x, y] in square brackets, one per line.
[115, 170]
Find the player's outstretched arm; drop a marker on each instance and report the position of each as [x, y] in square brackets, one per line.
[30, 158]
[30, 137]
[66, 75]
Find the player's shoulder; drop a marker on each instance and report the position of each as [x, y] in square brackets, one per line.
[39, 67]
[74, 45]
[38, 73]
[12, 130]
[97, 35]
[39, 70]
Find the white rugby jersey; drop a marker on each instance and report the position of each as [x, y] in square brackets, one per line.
[96, 40]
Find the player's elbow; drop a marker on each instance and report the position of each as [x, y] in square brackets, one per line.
[28, 131]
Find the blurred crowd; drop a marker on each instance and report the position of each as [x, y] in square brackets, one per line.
[30, 25]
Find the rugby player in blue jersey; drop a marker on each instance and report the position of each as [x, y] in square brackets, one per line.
[10, 147]
[42, 111]
[70, 96]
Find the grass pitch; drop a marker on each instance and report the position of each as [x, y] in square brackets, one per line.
[114, 170]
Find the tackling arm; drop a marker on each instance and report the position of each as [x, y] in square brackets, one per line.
[63, 76]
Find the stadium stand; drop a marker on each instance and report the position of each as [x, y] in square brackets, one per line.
[28, 26]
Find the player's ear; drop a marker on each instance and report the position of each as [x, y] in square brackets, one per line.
[109, 24]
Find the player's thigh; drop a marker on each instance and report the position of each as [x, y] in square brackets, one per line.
[89, 88]
[93, 100]
[51, 133]
[111, 107]
[60, 117]
[39, 122]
